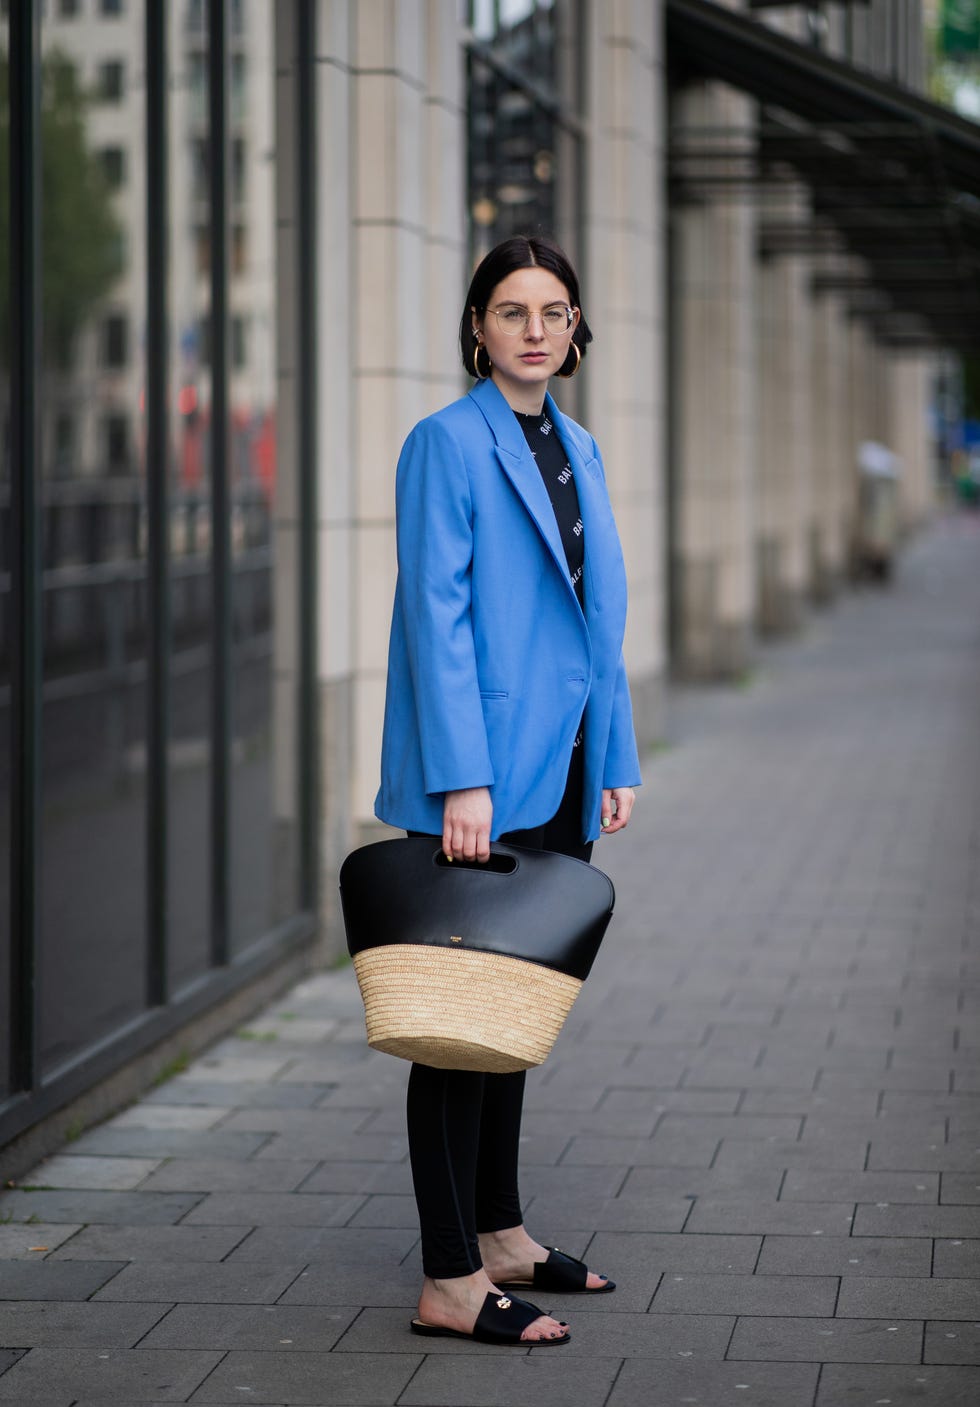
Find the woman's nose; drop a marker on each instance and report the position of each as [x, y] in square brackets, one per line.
[535, 327]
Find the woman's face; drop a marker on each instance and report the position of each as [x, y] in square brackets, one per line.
[524, 361]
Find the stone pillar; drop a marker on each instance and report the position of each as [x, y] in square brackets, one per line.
[390, 271]
[624, 292]
[714, 278]
[834, 453]
[785, 442]
[911, 378]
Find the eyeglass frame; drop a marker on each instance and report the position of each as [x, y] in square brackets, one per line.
[528, 313]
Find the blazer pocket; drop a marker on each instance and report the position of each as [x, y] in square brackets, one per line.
[494, 694]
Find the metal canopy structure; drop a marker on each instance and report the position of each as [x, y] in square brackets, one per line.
[892, 178]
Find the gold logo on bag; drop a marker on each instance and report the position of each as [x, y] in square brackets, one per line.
[455, 938]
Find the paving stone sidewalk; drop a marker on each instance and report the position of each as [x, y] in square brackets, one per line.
[763, 1118]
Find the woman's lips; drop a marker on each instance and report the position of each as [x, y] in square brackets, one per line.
[534, 356]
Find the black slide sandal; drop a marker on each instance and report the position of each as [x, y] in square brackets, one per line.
[560, 1274]
[501, 1320]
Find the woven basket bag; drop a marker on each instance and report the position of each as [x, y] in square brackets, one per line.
[469, 966]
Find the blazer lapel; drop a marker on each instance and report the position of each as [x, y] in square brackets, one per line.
[518, 464]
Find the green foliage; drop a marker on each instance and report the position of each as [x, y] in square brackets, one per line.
[80, 232]
[173, 1067]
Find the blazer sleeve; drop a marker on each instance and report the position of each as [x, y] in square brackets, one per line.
[434, 527]
[622, 766]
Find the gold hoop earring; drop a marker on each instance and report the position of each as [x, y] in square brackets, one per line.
[567, 375]
[482, 375]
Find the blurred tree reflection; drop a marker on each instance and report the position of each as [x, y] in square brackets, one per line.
[80, 233]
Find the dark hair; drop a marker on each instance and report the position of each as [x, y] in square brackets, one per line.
[520, 252]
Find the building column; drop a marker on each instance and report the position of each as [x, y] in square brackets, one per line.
[785, 444]
[911, 380]
[625, 292]
[715, 451]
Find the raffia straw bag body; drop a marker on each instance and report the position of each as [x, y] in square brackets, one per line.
[468, 966]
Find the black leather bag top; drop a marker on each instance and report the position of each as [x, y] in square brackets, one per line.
[530, 904]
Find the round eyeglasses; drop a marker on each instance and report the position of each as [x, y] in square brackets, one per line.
[513, 319]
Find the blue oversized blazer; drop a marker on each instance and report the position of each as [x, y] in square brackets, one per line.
[491, 660]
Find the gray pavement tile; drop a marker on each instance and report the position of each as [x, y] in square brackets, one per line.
[577, 1184]
[54, 1280]
[729, 1183]
[826, 1185]
[358, 1177]
[689, 1293]
[895, 1151]
[275, 1119]
[935, 1298]
[124, 1376]
[386, 1211]
[245, 1094]
[201, 1283]
[821, 1154]
[546, 1377]
[808, 1340]
[695, 1150]
[640, 1102]
[314, 1378]
[145, 1115]
[956, 1257]
[619, 1335]
[268, 1327]
[574, 1097]
[8, 1357]
[712, 1214]
[81, 1171]
[248, 1066]
[786, 1075]
[615, 1213]
[128, 1143]
[53, 1324]
[338, 1245]
[117, 1208]
[844, 1255]
[629, 1254]
[341, 1147]
[26, 1242]
[227, 1175]
[960, 1189]
[864, 1385]
[158, 1243]
[861, 1104]
[271, 1209]
[949, 1341]
[376, 1285]
[658, 1384]
[903, 1220]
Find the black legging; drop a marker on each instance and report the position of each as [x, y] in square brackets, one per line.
[464, 1127]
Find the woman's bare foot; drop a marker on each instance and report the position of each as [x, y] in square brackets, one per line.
[511, 1255]
[455, 1304]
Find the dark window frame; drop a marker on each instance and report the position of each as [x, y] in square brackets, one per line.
[31, 1096]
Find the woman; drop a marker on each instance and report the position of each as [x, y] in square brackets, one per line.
[507, 717]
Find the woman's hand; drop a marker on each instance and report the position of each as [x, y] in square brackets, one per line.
[466, 818]
[617, 803]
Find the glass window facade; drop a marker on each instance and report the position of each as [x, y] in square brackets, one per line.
[166, 852]
[524, 98]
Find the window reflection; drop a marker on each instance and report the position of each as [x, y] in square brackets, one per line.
[191, 675]
[523, 151]
[6, 617]
[264, 849]
[94, 640]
